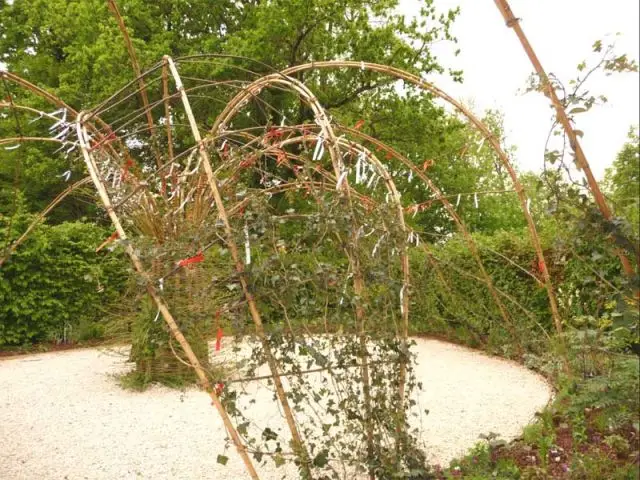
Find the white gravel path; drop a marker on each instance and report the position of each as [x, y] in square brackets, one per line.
[64, 416]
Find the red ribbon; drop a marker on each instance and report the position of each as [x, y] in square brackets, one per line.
[427, 164]
[248, 162]
[274, 133]
[125, 170]
[114, 236]
[109, 138]
[282, 157]
[191, 260]
[219, 339]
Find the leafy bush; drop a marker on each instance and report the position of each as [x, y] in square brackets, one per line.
[451, 300]
[55, 287]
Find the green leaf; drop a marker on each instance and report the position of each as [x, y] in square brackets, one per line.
[279, 460]
[321, 459]
[222, 459]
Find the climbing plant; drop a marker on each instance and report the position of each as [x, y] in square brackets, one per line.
[295, 235]
[284, 237]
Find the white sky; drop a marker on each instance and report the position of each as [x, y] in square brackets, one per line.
[561, 32]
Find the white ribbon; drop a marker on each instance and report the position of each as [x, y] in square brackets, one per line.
[117, 177]
[319, 150]
[247, 245]
[66, 175]
[371, 179]
[63, 133]
[377, 245]
[343, 175]
[38, 118]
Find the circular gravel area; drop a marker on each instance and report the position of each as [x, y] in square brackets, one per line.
[64, 416]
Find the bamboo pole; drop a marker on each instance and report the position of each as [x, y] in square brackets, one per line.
[581, 160]
[321, 119]
[41, 216]
[160, 303]
[113, 6]
[473, 248]
[53, 99]
[495, 144]
[358, 288]
[166, 98]
[298, 445]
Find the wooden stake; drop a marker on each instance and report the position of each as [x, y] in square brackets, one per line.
[298, 446]
[160, 303]
[113, 6]
[561, 115]
[473, 248]
[495, 144]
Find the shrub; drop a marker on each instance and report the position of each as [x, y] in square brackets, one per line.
[450, 299]
[55, 287]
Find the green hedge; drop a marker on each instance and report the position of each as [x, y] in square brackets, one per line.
[55, 286]
[459, 307]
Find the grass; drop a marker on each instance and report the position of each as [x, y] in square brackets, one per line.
[138, 381]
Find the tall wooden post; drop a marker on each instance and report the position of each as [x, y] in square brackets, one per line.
[581, 160]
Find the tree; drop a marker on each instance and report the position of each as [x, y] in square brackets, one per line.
[74, 48]
[623, 181]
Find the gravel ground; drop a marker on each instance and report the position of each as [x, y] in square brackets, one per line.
[64, 416]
